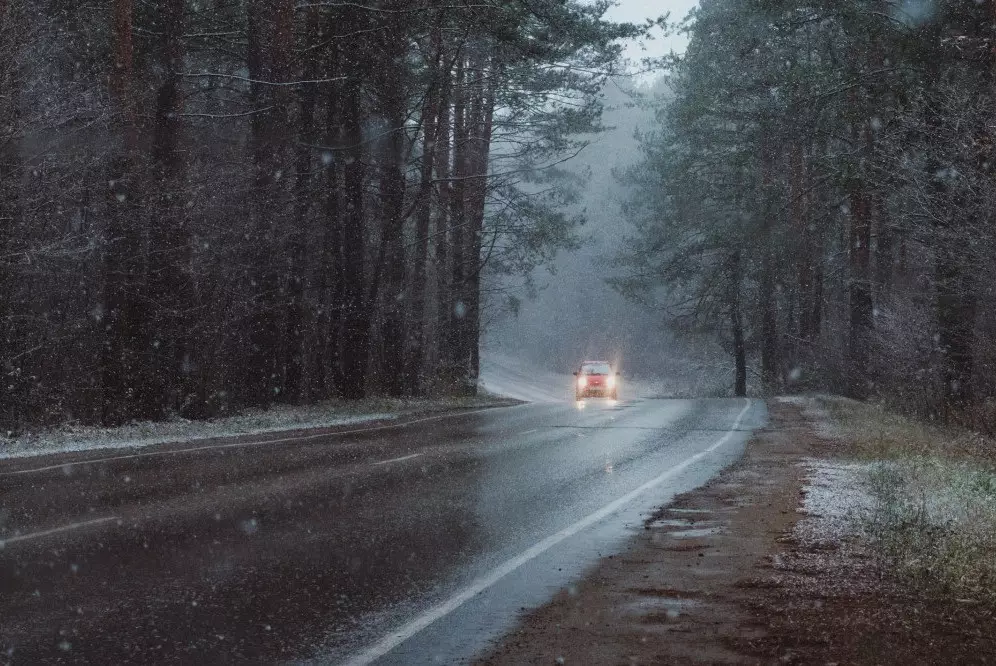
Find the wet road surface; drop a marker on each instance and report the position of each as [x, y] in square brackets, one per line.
[413, 544]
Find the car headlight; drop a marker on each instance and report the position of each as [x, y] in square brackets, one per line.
[582, 381]
[610, 382]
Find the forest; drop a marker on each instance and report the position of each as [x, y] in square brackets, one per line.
[818, 191]
[214, 204]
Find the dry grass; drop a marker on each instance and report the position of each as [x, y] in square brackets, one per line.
[876, 434]
[935, 489]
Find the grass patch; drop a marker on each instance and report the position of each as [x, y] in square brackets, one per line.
[934, 516]
[871, 433]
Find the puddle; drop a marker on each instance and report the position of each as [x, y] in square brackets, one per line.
[697, 533]
[672, 607]
[671, 522]
[692, 527]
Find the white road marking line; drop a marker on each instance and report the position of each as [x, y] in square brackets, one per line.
[394, 460]
[530, 431]
[402, 634]
[55, 530]
[236, 445]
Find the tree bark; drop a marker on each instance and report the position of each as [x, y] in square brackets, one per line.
[13, 385]
[806, 251]
[443, 270]
[883, 236]
[860, 299]
[124, 318]
[737, 327]
[770, 365]
[455, 306]
[859, 292]
[355, 315]
[268, 62]
[415, 360]
[332, 278]
[295, 352]
[477, 200]
[956, 312]
[770, 359]
[393, 196]
[169, 281]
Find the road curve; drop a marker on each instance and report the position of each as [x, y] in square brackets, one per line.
[413, 544]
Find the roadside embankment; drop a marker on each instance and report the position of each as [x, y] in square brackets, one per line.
[249, 422]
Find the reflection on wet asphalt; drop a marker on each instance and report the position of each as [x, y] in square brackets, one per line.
[313, 550]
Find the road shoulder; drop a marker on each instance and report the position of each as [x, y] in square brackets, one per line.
[283, 422]
[764, 564]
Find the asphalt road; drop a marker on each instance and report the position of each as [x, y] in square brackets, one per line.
[414, 544]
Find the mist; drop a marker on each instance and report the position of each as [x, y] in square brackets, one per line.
[566, 311]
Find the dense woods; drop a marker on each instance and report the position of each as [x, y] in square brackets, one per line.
[213, 204]
[819, 191]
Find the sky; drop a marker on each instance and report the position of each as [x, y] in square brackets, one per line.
[635, 11]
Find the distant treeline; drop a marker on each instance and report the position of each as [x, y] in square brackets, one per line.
[207, 205]
[821, 192]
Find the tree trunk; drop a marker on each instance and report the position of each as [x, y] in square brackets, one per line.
[816, 315]
[393, 197]
[956, 288]
[804, 261]
[483, 118]
[883, 247]
[169, 280]
[423, 218]
[770, 365]
[299, 231]
[737, 327]
[443, 269]
[956, 311]
[859, 293]
[355, 317]
[455, 306]
[122, 374]
[268, 62]
[328, 366]
[770, 360]
[13, 383]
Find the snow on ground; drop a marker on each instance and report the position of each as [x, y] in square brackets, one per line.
[838, 501]
[838, 496]
[279, 418]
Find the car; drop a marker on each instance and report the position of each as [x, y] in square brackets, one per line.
[596, 379]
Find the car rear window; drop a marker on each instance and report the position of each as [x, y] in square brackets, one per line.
[596, 369]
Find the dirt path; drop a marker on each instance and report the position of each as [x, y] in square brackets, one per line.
[718, 578]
